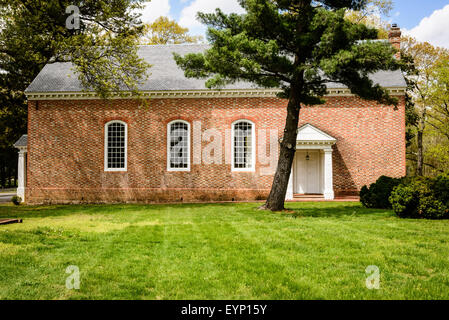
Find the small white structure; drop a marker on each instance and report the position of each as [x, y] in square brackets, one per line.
[22, 145]
[312, 171]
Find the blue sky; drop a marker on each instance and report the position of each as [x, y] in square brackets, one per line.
[177, 6]
[426, 20]
[411, 12]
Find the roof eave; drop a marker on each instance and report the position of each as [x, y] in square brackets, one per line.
[224, 93]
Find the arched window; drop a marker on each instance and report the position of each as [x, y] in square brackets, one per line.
[116, 146]
[178, 146]
[243, 146]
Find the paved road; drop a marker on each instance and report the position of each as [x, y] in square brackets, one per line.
[6, 197]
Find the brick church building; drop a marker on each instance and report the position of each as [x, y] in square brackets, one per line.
[188, 143]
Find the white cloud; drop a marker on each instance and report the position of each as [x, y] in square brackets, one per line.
[155, 9]
[188, 14]
[433, 29]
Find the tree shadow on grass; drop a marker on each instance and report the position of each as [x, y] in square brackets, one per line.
[313, 210]
[335, 212]
[52, 210]
[42, 211]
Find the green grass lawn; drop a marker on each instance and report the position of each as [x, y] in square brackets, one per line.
[222, 251]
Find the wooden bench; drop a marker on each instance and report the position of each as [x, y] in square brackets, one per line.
[10, 221]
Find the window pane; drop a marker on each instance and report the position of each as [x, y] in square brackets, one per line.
[116, 146]
[243, 145]
[179, 144]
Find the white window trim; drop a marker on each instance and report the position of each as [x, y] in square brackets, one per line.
[253, 151]
[106, 128]
[188, 147]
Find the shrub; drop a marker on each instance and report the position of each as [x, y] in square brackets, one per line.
[405, 199]
[421, 198]
[432, 208]
[440, 188]
[16, 200]
[377, 195]
[365, 198]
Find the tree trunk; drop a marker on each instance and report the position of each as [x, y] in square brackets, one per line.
[15, 177]
[420, 145]
[421, 126]
[276, 198]
[8, 177]
[420, 163]
[2, 175]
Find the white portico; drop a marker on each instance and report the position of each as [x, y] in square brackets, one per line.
[22, 145]
[312, 172]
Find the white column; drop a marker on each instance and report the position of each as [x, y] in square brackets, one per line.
[328, 175]
[21, 175]
[289, 194]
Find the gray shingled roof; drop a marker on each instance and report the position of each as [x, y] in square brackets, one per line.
[22, 142]
[165, 74]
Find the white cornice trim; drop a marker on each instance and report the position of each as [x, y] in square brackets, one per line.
[315, 142]
[347, 92]
[32, 96]
[315, 145]
[156, 94]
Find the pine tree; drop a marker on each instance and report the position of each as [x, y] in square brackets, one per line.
[297, 46]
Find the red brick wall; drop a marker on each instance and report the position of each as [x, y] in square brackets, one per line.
[66, 147]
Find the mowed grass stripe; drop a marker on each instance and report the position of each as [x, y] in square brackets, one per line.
[221, 251]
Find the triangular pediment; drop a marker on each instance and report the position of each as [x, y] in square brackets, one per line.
[309, 133]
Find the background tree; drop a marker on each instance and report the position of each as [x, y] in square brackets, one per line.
[438, 116]
[33, 33]
[371, 15]
[420, 75]
[166, 31]
[297, 46]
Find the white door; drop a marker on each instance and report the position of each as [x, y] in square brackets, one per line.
[307, 172]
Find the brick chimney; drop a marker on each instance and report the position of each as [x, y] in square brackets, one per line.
[394, 36]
